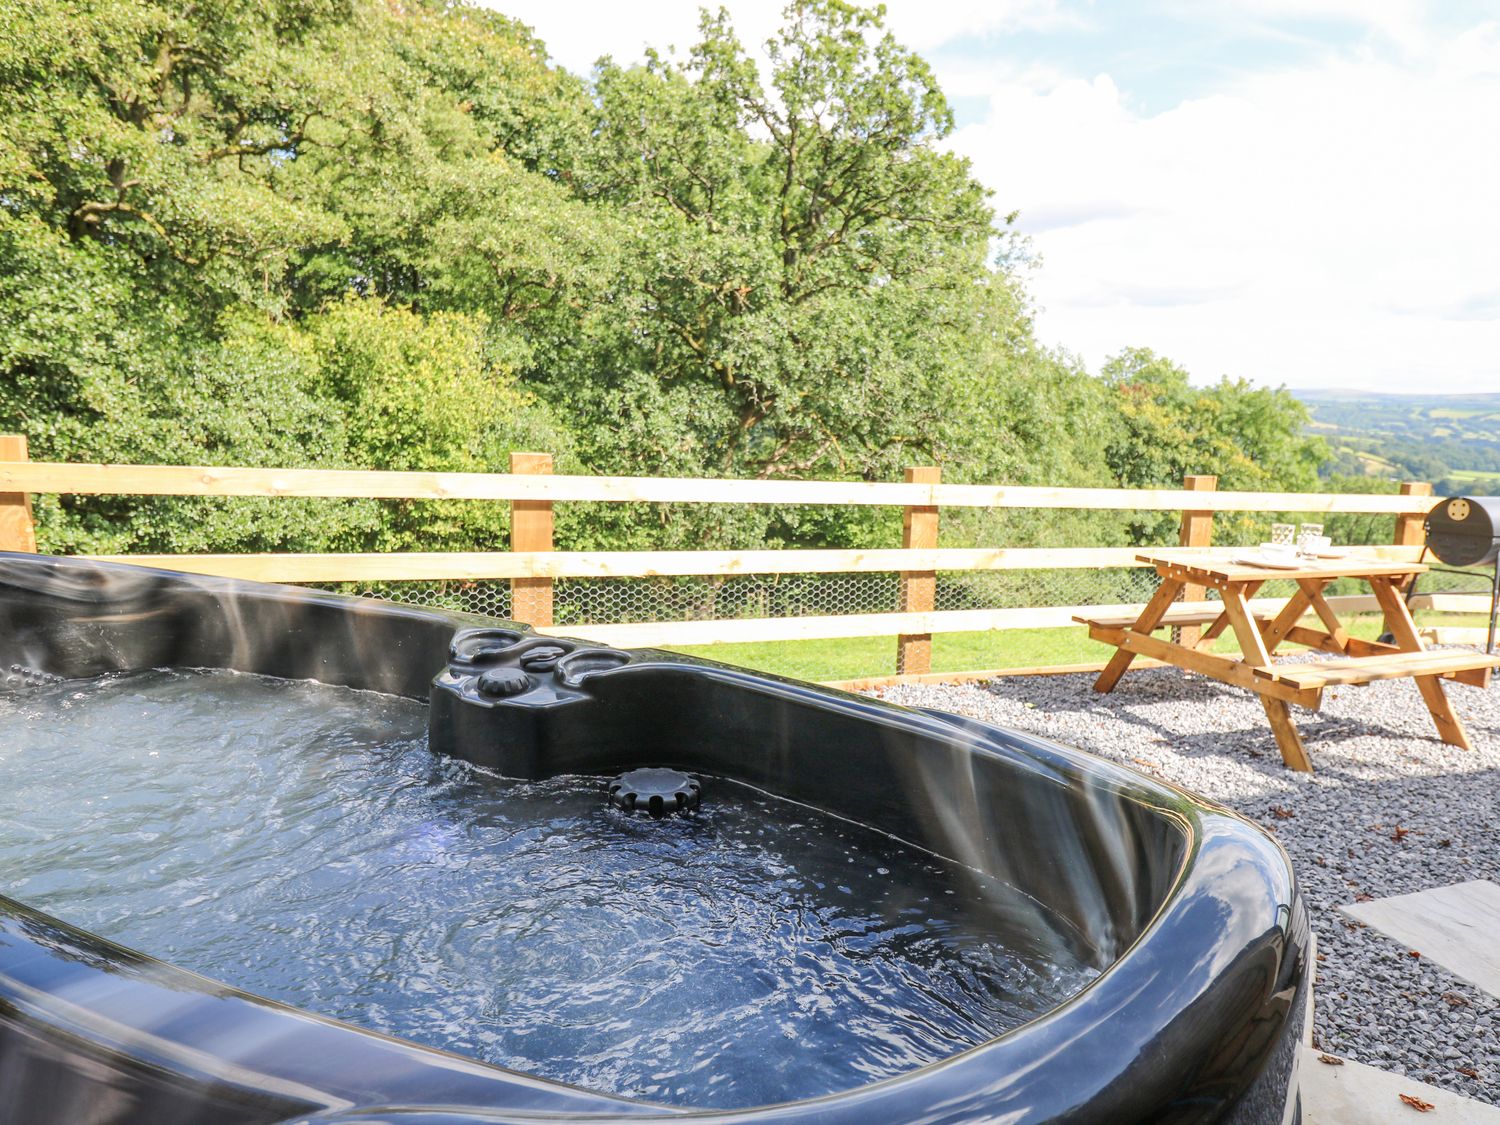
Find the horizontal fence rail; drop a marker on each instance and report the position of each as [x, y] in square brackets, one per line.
[185, 480]
[532, 566]
[667, 634]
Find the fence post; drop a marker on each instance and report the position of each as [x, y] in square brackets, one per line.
[1197, 531]
[531, 530]
[919, 529]
[17, 531]
[1409, 529]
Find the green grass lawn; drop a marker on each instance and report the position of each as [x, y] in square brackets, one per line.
[852, 658]
[1485, 475]
[858, 657]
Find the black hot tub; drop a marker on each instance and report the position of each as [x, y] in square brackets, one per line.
[1188, 915]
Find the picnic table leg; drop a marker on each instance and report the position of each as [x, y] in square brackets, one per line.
[1404, 630]
[1220, 623]
[1314, 590]
[1288, 741]
[1147, 622]
[1291, 613]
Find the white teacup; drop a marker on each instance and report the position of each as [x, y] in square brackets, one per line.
[1317, 544]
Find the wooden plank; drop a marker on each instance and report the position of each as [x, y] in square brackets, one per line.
[1409, 530]
[17, 529]
[1221, 622]
[1214, 572]
[531, 530]
[1404, 631]
[1195, 531]
[1276, 630]
[991, 496]
[1178, 613]
[1388, 551]
[1353, 603]
[822, 627]
[1149, 619]
[1288, 741]
[648, 634]
[1474, 677]
[1454, 634]
[1323, 642]
[919, 531]
[1313, 589]
[480, 565]
[200, 480]
[204, 480]
[1223, 668]
[1452, 603]
[475, 565]
[1368, 669]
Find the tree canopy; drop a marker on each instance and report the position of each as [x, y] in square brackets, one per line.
[359, 234]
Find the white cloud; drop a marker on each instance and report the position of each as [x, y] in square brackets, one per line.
[924, 24]
[1330, 225]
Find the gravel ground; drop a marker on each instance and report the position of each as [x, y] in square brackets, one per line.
[1390, 810]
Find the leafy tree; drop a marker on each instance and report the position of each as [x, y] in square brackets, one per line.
[214, 224]
[804, 265]
[358, 234]
[1252, 438]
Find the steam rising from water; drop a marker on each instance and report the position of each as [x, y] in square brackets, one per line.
[299, 841]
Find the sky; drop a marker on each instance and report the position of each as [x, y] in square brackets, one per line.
[1297, 192]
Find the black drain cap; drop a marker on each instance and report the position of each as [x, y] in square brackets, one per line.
[655, 791]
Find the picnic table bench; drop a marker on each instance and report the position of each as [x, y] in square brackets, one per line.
[1260, 633]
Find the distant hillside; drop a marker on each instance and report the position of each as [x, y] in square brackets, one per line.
[1451, 440]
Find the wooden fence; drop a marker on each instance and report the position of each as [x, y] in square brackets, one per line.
[532, 564]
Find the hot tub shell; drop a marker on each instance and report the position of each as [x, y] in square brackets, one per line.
[1191, 913]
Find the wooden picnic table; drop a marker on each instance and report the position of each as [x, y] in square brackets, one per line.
[1259, 635]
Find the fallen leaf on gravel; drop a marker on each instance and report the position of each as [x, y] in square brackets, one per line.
[1363, 897]
[1281, 812]
[1399, 834]
[1331, 1060]
[1417, 1103]
[1143, 762]
[1445, 843]
[1456, 1000]
[1467, 1071]
[1412, 953]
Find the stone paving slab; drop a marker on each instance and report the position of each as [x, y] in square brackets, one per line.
[1352, 1093]
[1457, 926]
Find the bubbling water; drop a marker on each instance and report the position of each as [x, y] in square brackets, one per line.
[300, 841]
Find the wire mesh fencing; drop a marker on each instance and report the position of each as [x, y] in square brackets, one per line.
[595, 601]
